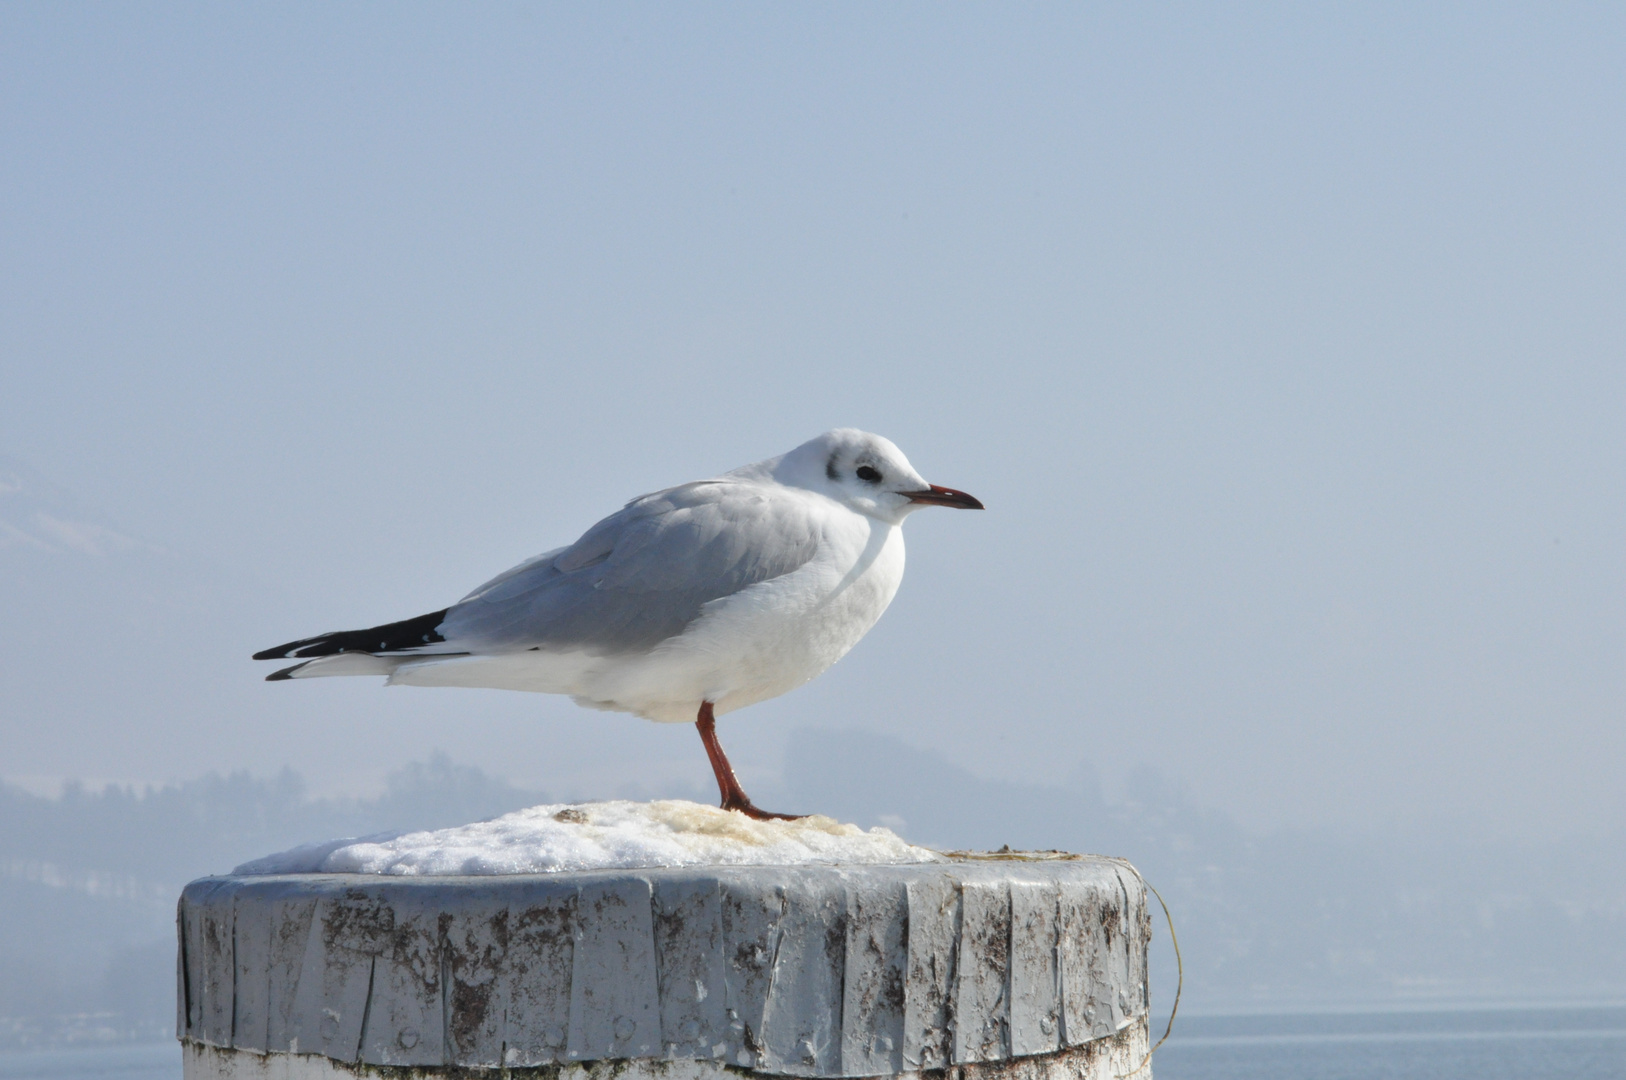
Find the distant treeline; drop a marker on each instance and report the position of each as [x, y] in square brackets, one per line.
[1282, 919]
[88, 883]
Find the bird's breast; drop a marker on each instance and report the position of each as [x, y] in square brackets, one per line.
[778, 634]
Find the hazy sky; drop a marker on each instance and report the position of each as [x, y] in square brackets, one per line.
[1285, 345]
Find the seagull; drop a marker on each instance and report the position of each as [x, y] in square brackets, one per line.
[685, 604]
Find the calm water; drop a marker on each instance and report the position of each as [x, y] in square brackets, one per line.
[1531, 1044]
[157, 1061]
[1481, 1044]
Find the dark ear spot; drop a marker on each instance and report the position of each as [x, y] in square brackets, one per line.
[830, 468]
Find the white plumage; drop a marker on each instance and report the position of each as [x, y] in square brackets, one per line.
[686, 603]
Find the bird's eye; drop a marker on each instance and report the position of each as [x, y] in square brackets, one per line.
[869, 475]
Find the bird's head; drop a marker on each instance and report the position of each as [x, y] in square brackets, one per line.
[867, 473]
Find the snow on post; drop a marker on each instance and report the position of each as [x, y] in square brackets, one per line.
[661, 940]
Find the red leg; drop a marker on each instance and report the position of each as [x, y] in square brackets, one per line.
[728, 785]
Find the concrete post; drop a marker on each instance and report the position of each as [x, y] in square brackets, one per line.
[1011, 968]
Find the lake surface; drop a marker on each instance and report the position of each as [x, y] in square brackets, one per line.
[150, 1061]
[1481, 1044]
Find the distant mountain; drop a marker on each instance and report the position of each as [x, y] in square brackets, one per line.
[1272, 920]
[87, 608]
[36, 516]
[89, 880]
[88, 883]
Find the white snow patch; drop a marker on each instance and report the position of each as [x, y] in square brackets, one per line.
[617, 835]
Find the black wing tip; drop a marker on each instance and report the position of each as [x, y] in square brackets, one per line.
[284, 675]
[406, 634]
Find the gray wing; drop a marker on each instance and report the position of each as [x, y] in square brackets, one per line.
[642, 574]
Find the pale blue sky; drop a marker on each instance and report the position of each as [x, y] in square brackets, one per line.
[1284, 343]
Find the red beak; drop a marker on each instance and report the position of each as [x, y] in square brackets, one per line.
[942, 496]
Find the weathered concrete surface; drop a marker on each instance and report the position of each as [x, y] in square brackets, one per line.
[1110, 1058]
[1029, 969]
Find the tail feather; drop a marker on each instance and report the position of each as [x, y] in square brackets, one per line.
[350, 663]
[390, 637]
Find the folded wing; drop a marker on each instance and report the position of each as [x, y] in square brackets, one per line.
[641, 575]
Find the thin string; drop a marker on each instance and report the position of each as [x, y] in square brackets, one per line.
[1179, 967]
